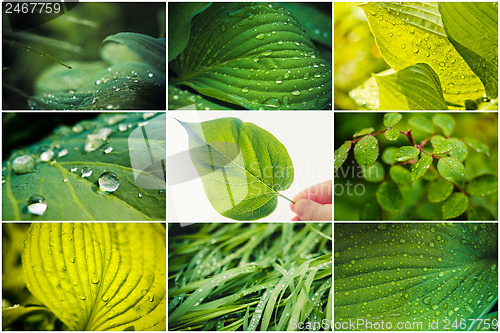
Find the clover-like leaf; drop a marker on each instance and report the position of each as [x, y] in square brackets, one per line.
[406, 153]
[366, 151]
[392, 118]
[440, 190]
[421, 167]
[253, 55]
[455, 205]
[414, 272]
[452, 170]
[483, 185]
[99, 276]
[389, 197]
[242, 166]
[340, 155]
[126, 149]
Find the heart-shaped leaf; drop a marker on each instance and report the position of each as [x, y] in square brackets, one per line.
[414, 273]
[102, 276]
[70, 163]
[242, 166]
[253, 55]
[366, 151]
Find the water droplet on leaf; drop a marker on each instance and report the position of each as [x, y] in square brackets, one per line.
[108, 182]
[37, 205]
[23, 164]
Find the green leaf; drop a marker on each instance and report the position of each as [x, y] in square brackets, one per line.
[366, 151]
[483, 185]
[444, 148]
[340, 155]
[242, 166]
[452, 170]
[71, 197]
[99, 276]
[455, 205]
[374, 173]
[479, 213]
[389, 197]
[416, 87]
[133, 77]
[438, 140]
[235, 54]
[422, 123]
[411, 33]
[392, 134]
[421, 167]
[401, 176]
[364, 131]
[406, 153]
[180, 15]
[185, 100]
[12, 314]
[392, 118]
[389, 154]
[472, 27]
[445, 122]
[459, 150]
[414, 272]
[440, 190]
[477, 145]
[370, 210]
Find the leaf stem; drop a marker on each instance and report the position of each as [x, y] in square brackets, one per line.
[281, 195]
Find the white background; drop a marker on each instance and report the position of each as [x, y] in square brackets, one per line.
[307, 136]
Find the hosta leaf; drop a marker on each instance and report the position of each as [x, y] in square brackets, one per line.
[401, 176]
[477, 145]
[411, 33]
[421, 167]
[422, 123]
[374, 173]
[406, 153]
[414, 272]
[367, 94]
[440, 190]
[180, 15]
[472, 27]
[455, 205]
[364, 131]
[99, 276]
[389, 197]
[366, 151]
[242, 166]
[133, 77]
[392, 118]
[340, 155]
[459, 150]
[185, 100]
[452, 170]
[445, 122]
[71, 197]
[479, 213]
[254, 56]
[392, 134]
[483, 185]
[416, 87]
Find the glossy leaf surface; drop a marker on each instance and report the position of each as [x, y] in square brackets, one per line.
[366, 151]
[340, 155]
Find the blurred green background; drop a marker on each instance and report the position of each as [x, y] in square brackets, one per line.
[76, 35]
[481, 126]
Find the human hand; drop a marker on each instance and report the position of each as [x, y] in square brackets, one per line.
[314, 203]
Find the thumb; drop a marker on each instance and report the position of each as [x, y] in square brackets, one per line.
[308, 210]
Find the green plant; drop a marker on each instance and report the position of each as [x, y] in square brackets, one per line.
[85, 173]
[234, 276]
[416, 276]
[241, 165]
[443, 55]
[251, 56]
[452, 187]
[103, 276]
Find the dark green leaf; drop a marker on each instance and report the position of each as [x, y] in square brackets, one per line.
[389, 154]
[421, 167]
[99, 276]
[392, 118]
[185, 100]
[235, 54]
[477, 145]
[440, 190]
[392, 134]
[472, 27]
[242, 166]
[452, 170]
[370, 210]
[430, 211]
[422, 123]
[366, 151]
[374, 173]
[479, 213]
[364, 131]
[71, 197]
[455, 205]
[406, 153]
[340, 155]
[389, 197]
[401, 176]
[483, 185]
[445, 122]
